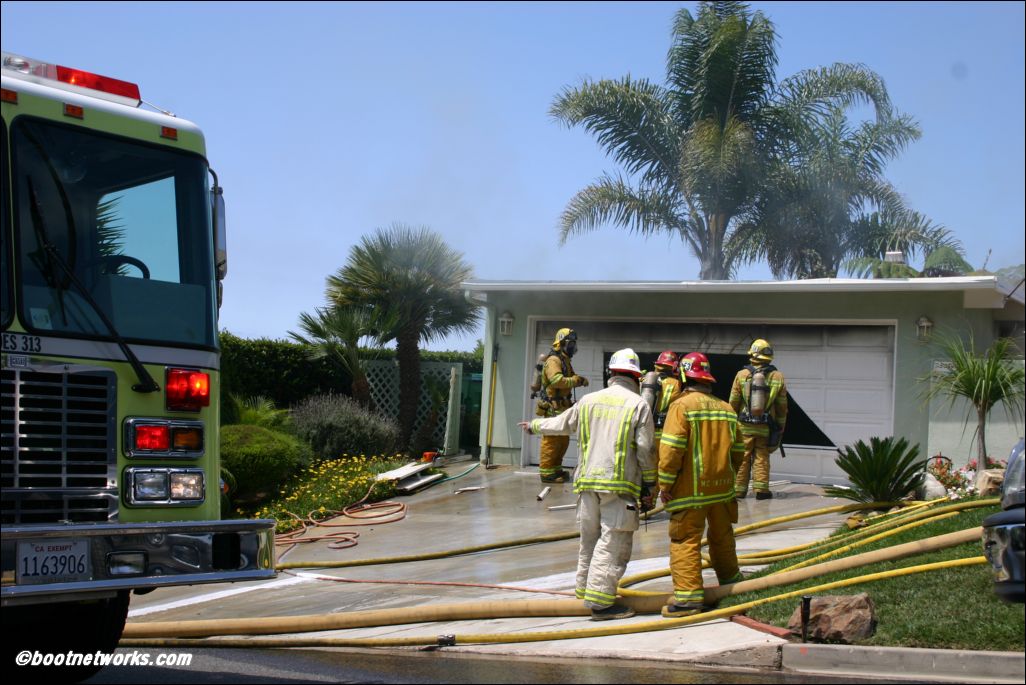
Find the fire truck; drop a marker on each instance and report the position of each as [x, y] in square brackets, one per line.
[111, 262]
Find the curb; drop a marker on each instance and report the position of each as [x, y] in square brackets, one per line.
[899, 663]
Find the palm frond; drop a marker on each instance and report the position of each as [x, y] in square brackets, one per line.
[612, 200]
[630, 120]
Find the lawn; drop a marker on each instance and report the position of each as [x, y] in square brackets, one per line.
[947, 609]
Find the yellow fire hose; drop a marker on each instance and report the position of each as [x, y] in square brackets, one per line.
[489, 638]
[895, 526]
[648, 603]
[552, 538]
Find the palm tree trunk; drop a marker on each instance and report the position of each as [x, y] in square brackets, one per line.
[713, 263]
[408, 355]
[360, 387]
[981, 445]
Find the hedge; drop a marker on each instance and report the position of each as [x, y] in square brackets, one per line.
[282, 371]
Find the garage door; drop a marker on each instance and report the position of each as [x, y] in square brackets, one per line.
[840, 377]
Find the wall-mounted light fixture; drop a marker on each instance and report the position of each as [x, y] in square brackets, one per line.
[506, 324]
[924, 328]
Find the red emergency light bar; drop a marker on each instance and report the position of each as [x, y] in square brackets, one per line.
[106, 87]
[104, 84]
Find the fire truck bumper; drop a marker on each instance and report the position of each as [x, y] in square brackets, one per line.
[58, 563]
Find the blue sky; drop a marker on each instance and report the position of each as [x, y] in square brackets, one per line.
[326, 121]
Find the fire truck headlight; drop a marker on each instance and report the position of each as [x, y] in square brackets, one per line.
[149, 486]
[156, 486]
[187, 485]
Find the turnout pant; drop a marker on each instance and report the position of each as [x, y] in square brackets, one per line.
[607, 532]
[756, 463]
[553, 447]
[686, 529]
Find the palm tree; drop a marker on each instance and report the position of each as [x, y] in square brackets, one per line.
[695, 151]
[826, 205]
[411, 278]
[336, 332]
[985, 380]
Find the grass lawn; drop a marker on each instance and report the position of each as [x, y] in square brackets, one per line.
[947, 609]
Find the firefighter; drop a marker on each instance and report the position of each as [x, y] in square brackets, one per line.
[759, 396]
[698, 455]
[558, 382]
[670, 388]
[613, 480]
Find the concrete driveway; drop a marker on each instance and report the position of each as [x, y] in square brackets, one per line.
[504, 508]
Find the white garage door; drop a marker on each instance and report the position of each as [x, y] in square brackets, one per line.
[842, 377]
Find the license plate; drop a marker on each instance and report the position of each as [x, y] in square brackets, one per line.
[53, 561]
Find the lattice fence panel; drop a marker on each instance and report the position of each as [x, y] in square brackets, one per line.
[383, 376]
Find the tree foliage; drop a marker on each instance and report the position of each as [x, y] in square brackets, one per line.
[699, 153]
[412, 278]
[984, 379]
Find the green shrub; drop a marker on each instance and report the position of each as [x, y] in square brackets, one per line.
[885, 470]
[258, 411]
[335, 425]
[279, 370]
[260, 459]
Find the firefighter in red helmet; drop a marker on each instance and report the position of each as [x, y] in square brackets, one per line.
[698, 456]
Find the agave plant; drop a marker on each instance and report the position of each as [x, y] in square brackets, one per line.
[885, 470]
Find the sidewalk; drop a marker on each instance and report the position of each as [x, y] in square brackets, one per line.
[506, 508]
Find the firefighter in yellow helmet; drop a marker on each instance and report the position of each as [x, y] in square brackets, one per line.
[698, 454]
[558, 384]
[759, 396]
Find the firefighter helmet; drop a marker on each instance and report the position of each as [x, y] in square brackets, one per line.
[625, 361]
[695, 366]
[564, 335]
[761, 351]
[667, 358]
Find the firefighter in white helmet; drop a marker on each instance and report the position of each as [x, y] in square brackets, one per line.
[613, 479]
[558, 382]
[698, 454]
[759, 396]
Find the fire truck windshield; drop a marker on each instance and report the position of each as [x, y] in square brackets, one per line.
[130, 221]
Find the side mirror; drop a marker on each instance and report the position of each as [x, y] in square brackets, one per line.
[220, 232]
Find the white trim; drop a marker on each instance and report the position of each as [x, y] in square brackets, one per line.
[959, 283]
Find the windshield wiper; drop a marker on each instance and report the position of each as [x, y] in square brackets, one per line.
[146, 382]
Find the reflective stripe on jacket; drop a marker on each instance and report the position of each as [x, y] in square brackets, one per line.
[700, 451]
[614, 428]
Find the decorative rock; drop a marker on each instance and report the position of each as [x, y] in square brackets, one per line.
[932, 488]
[843, 618]
[988, 482]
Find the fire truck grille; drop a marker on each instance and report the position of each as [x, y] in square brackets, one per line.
[58, 446]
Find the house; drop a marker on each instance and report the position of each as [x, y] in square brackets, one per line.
[855, 353]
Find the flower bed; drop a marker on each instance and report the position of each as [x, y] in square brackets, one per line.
[329, 486]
